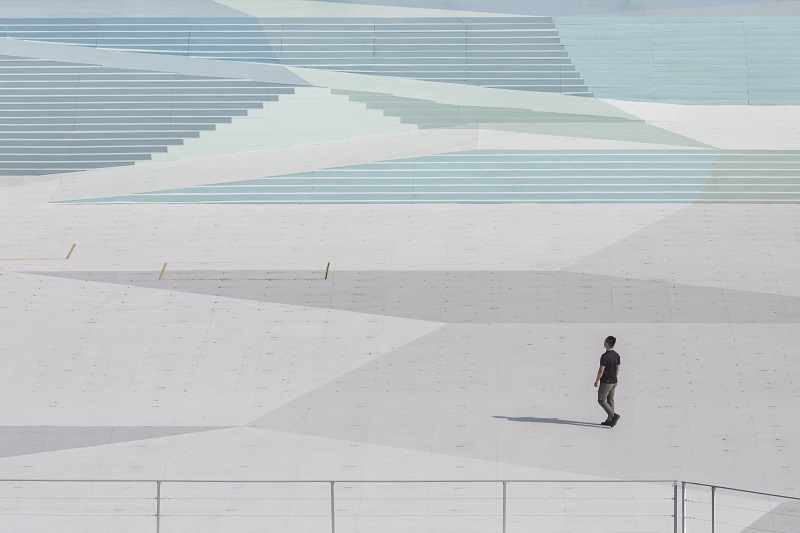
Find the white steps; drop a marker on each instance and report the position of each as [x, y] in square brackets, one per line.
[311, 114]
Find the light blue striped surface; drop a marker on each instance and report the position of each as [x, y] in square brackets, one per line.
[503, 176]
[754, 61]
[704, 60]
[61, 117]
[452, 50]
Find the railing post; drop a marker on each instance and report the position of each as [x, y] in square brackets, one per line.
[158, 507]
[683, 507]
[333, 510]
[675, 506]
[504, 507]
[713, 502]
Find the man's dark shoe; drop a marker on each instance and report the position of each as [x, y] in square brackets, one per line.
[606, 423]
[614, 421]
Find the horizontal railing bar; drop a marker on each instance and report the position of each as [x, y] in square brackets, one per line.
[466, 194]
[110, 515]
[753, 528]
[438, 201]
[397, 481]
[743, 490]
[342, 513]
[393, 498]
[761, 511]
[143, 498]
[339, 481]
[279, 498]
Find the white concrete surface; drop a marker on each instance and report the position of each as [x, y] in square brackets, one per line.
[313, 392]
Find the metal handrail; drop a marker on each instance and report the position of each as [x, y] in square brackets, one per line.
[675, 514]
[504, 482]
[742, 490]
[66, 480]
[714, 489]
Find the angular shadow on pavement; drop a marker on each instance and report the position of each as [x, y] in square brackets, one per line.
[548, 421]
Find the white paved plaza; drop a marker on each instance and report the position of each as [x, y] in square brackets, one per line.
[297, 266]
[447, 343]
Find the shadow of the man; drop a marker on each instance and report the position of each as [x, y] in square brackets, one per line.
[549, 421]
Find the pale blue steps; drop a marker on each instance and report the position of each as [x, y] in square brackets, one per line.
[466, 48]
[744, 61]
[520, 176]
[63, 117]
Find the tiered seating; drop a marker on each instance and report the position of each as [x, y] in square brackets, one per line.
[486, 177]
[687, 61]
[755, 176]
[59, 117]
[513, 53]
[510, 176]
[241, 39]
[431, 114]
[310, 115]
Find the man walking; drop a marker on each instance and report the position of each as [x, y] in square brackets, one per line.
[607, 381]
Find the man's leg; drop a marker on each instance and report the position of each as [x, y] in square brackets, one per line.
[602, 398]
[611, 397]
[615, 417]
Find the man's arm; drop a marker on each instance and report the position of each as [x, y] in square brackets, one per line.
[599, 375]
[617, 370]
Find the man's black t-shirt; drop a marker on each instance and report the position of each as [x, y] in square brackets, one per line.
[609, 360]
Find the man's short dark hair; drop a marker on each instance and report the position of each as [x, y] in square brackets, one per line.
[611, 341]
